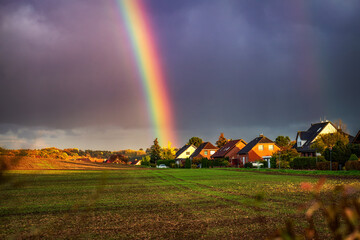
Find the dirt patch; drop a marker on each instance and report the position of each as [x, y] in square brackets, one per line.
[28, 163]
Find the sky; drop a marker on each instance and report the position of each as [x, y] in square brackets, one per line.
[243, 68]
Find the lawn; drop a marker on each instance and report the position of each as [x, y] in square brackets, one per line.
[153, 204]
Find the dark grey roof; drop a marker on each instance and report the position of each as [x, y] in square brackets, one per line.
[250, 145]
[183, 149]
[356, 138]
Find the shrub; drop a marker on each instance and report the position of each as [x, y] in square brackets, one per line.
[265, 164]
[326, 165]
[204, 163]
[152, 165]
[211, 163]
[166, 162]
[188, 163]
[193, 166]
[248, 165]
[352, 165]
[353, 157]
[273, 162]
[306, 162]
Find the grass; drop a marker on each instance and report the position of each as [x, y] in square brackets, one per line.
[153, 204]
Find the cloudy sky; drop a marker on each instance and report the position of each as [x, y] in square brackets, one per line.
[238, 67]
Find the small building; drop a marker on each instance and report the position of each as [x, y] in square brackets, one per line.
[304, 139]
[230, 150]
[183, 153]
[259, 149]
[205, 150]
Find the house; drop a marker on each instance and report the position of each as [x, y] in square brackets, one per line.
[304, 139]
[356, 139]
[184, 152]
[205, 150]
[230, 150]
[136, 162]
[259, 149]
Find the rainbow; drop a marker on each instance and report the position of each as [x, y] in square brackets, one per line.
[148, 62]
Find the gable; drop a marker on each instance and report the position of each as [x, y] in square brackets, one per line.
[329, 128]
[185, 152]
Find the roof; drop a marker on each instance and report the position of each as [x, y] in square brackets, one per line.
[357, 138]
[227, 148]
[205, 145]
[252, 144]
[183, 149]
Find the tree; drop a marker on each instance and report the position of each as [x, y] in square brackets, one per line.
[282, 141]
[196, 141]
[328, 140]
[353, 157]
[222, 141]
[340, 153]
[188, 163]
[168, 153]
[155, 151]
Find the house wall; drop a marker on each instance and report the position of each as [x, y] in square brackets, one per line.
[202, 153]
[190, 149]
[328, 129]
[232, 154]
[256, 155]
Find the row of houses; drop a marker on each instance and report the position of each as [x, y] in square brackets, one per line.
[260, 148]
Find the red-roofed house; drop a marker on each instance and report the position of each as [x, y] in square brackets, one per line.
[230, 150]
[205, 150]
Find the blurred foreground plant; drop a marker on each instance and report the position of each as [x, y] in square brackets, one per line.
[341, 213]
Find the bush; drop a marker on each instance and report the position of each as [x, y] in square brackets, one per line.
[353, 157]
[265, 164]
[153, 165]
[326, 165]
[352, 165]
[166, 162]
[204, 163]
[248, 165]
[306, 162]
[193, 166]
[273, 162]
[188, 163]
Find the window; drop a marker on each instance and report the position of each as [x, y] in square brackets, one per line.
[212, 152]
[205, 152]
[271, 147]
[187, 153]
[261, 147]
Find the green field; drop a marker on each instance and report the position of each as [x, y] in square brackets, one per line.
[157, 204]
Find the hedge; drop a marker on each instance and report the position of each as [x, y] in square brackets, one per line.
[306, 162]
[326, 165]
[352, 165]
[166, 162]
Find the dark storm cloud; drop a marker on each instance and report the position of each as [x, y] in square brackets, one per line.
[241, 67]
[63, 66]
[274, 63]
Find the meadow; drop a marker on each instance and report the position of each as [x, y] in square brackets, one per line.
[136, 203]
